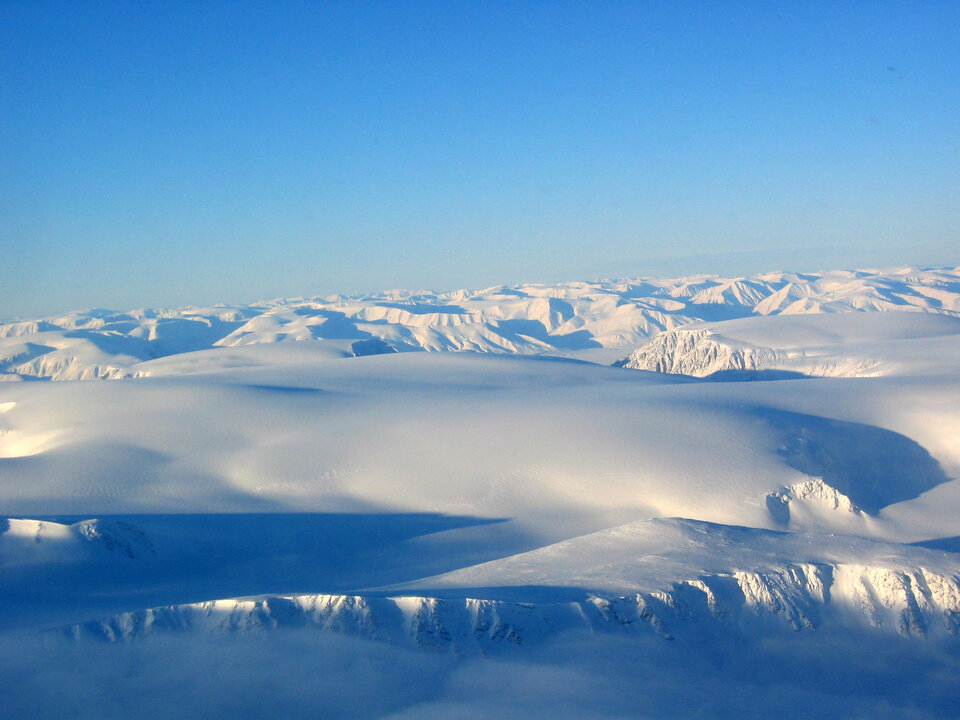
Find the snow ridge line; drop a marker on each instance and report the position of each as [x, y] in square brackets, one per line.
[914, 604]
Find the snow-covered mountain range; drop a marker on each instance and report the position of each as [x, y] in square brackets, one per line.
[755, 510]
[590, 320]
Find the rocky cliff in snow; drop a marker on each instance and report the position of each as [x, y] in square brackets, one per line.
[799, 597]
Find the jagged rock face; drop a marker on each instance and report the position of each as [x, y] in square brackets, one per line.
[699, 353]
[721, 351]
[804, 596]
[813, 491]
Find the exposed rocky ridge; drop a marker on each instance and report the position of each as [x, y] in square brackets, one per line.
[699, 353]
[813, 490]
[803, 596]
[707, 353]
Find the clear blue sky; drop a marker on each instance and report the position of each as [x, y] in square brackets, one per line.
[166, 153]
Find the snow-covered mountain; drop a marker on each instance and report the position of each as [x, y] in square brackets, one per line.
[834, 345]
[340, 527]
[592, 320]
[910, 591]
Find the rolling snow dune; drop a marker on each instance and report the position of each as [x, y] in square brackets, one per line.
[554, 445]
[573, 538]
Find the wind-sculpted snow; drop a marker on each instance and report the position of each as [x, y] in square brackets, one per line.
[598, 319]
[868, 466]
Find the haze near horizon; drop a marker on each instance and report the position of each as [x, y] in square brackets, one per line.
[232, 152]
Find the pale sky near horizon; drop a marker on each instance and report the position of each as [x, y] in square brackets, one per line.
[192, 153]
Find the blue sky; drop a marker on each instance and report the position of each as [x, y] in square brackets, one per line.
[168, 153]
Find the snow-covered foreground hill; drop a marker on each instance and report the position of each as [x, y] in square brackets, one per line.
[297, 529]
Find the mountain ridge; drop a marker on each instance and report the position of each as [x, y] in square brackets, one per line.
[574, 318]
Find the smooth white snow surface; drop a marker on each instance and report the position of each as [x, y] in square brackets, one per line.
[327, 528]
